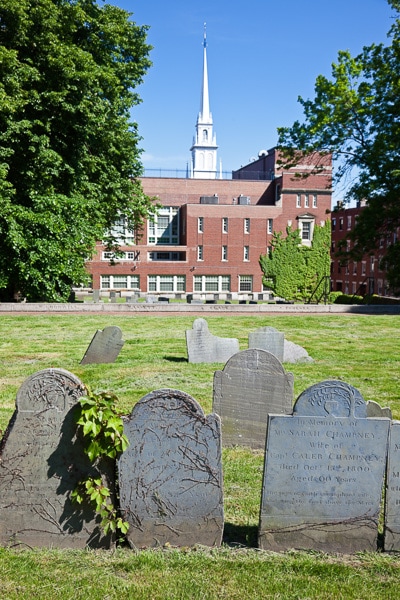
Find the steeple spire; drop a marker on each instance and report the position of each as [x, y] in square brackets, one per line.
[204, 147]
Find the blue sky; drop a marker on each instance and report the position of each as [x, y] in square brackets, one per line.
[262, 55]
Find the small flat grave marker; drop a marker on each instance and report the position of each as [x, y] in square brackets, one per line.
[252, 384]
[204, 347]
[323, 473]
[171, 474]
[41, 463]
[104, 347]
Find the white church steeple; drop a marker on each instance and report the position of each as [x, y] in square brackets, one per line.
[204, 147]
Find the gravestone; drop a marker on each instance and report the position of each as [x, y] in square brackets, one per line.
[392, 499]
[268, 338]
[41, 463]
[104, 347]
[293, 353]
[252, 384]
[323, 473]
[375, 410]
[204, 347]
[171, 475]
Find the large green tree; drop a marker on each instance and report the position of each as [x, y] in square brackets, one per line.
[356, 116]
[69, 156]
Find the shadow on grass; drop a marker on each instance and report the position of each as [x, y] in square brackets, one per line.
[177, 359]
[243, 535]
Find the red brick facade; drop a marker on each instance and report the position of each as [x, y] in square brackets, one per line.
[220, 228]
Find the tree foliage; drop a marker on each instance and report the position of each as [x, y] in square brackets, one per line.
[293, 271]
[69, 157]
[355, 116]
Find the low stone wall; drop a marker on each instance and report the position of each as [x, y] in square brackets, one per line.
[183, 308]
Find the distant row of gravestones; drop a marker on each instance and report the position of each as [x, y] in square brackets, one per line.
[326, 463]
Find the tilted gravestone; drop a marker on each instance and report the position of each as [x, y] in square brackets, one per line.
[268, 338]
[170, 476]
[252, 384]
[41, 463]
[392, 498]
[204, 347]
[323, 474]
[104, 347]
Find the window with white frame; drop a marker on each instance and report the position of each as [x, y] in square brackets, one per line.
[166, 256]
[200, 224]
[163, 228]
[212, 283]
[123, 234]
[298, 200]
[119, 282]
[306, 201]
[278, 193]
[246, 225]
[224, 224]
[270, 226]
[306, 231]
[349, 222]
[112, 256]
[315, 201]
[246, 253]
[245, 283]
[199, 252]
[224, 255]
[166, 283]
[306, 226]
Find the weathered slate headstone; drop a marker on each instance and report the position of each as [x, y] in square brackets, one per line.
[268, 338]
[171, 475]
[204, 347]
[392, 499]
[104, 347]
[41, 463]
[323, 474]
[252, 384]
[376, 410]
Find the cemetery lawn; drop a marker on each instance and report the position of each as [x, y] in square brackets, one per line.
[361, 350]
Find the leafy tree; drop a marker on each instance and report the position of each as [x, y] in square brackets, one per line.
[355, 116]
[69, 157]
[293, 270]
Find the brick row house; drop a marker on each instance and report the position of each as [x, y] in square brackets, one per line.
[357, 277]
[210, 232]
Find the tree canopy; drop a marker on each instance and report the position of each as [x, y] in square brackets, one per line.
[355, 115]
[69, 156]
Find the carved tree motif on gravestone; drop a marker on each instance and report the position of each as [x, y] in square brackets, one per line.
[331, 398]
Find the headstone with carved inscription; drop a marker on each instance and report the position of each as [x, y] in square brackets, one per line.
[105, 346]
[204, 347]
[171, 475]
[392, 497]
[323, 474]
[41, 463]
[252, 384]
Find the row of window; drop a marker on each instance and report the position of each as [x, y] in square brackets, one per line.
[225, 225]
[176, 283]
[306, 200]
[224, 253]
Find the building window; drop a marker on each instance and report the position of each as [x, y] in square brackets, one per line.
[166, 283]
[363, 267]
[225, 225]
[246, 225]
[315, 201]
[200, 224]
[341, 223]
[212, 283]
[372, 267]
[246, 253]
[224, 255]
[119, 282]
[199, 252]
[112, 256]
[306, 201]
[278, 193]
[245, 283]
[354, 268]
[270, 225]
[123, 234]
[163, 228]
[333, 224]
[298, 201]
[167, 256]
[306, 231]
[333, 246]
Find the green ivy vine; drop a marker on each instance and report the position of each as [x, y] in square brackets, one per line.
[102, 431]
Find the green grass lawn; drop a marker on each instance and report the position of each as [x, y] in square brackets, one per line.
[361, 350]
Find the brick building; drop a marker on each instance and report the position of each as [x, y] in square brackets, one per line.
[357, 277]
[210, 232]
